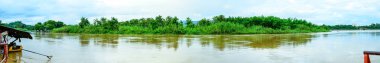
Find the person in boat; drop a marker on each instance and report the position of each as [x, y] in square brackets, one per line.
[13, 33]
[13, 47]
[13, 43]
[5, 33]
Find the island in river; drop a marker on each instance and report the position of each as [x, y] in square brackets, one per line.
[172, 25]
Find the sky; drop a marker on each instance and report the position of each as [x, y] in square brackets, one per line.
[330, 12]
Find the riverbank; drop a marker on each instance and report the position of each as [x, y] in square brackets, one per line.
[216, 25]
[182, 30]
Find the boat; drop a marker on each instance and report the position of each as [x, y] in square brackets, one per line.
[17, 48]
[5, 35]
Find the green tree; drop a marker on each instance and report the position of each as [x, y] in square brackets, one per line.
[51, 24]
[134, 22]
[83, 22]
[219, 18]
[59, 24]
[189, 23]
[1, 22]
[217, 25]
[113, 23]
[168, 20]
[39, 27]
[343, 27]
[374, 26]
[97, 22]
[17, 24]
[175, 21]
[160, 20]
[204, 22]
[103, 21]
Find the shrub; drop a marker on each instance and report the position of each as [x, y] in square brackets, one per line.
[224, 28]
[170, 29]
[133, 30]
[68, 29]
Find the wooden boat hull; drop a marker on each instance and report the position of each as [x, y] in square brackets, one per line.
[17, 48]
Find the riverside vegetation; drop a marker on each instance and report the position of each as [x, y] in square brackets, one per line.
[353, 27]
[172, 25]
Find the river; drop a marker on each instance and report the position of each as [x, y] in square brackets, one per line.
[324, 47]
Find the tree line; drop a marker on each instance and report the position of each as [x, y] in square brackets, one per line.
[172, 25]
[39, 27]
[353, 27]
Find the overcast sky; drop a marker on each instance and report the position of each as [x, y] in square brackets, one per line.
[358, 12]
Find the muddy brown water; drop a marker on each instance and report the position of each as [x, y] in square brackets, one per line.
[325, 47]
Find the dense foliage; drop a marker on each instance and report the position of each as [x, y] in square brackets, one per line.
[17, 25]
[172, 25]
[45, 26]
[352, 27]
[48, 25]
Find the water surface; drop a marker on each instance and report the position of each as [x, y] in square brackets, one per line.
[327, 47]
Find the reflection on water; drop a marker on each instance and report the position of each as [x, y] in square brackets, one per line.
[48, 35]
[256, 48]
[99, 39]
[256, 41]
[265, 41]
[14, 57]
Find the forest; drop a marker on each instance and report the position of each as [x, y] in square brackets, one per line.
[173, 25]
[353, 27]
[39, 27]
